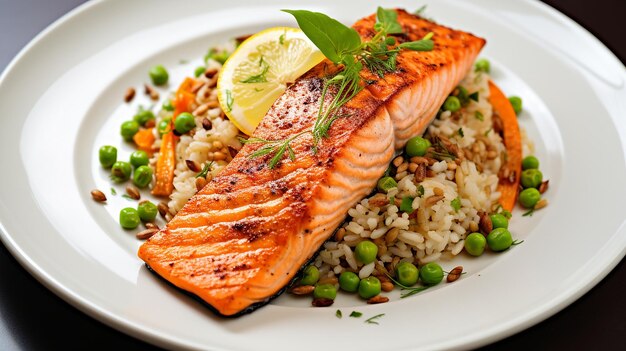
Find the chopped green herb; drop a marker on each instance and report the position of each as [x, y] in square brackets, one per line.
[113, 192]
[127, 197]
[229, 100]
[479, 116]
[373, 320]
[456, 204]
[420, 191]
[257, 78]
[356, 314]
[420, 11]
[474, 96]
[460, 131]
[516, 242]
[488, 131]
[338, 314]
[258, 90]
[411, 290]
[281, 39]
[205, 170]
[407, 205]
[529, 213]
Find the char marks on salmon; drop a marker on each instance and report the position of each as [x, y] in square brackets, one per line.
[239, 241]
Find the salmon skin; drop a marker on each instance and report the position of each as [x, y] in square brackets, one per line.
[244, 237]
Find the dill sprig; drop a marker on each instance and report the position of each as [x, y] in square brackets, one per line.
[343, 46]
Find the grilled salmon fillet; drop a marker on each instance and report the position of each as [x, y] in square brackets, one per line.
[241, 240]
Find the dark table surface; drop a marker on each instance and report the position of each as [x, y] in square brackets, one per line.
[33, 318]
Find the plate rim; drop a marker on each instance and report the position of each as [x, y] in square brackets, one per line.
[127, 326]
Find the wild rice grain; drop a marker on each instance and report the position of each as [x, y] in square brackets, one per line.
[398, 161]
[129, 95]
[378, 299]
[98, 195]
[206, 124]
[386, 286]
[146, 234]
[544, 186]
[200, 183]
[133, 192]
[485, 223]
[303, 290]
[321, 302]
[151, 92]
[193, 165]
[454, 274]
[163, 209]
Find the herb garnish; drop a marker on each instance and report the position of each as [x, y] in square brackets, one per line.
[479, 116]
[127, 197]
[258, 78]
[356, 314]
[411, 290]
[420, 190]
[474, 96]
[205, 170]
[113, 192]
[372, 320]
[338, 314]
[460, 131]
[229, 100]
[343, 46]
[529, 213]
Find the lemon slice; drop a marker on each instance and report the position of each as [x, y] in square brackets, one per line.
[258, 72]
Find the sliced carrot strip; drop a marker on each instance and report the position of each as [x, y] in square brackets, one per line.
[166, 163]
[144, 140]
[513, 143]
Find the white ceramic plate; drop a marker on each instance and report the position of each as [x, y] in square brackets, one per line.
[61, 99]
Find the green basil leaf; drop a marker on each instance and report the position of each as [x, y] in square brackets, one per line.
[334, 39]
[419, 45]
[389, 19]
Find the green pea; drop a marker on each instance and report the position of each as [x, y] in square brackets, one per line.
[431, 273]
[349, 281]
[147, 211]
[482, 65]
[475, 244]
[184, 123]
[159, 75]
[452, 104]
[369, 287]
[167, 105]
[390, 41]
[139, 158]
[499, 239]
[310, 276]
[199, 71]
[531, 178]
[528, 198]
[129, 129]
[107, 155]
[220, 56]
[129, 218]
[142, 176]
[407, 274]
[386, 183]
[530, 162]
[120, 171]
[142, 117]
[325, 291]
[499, 221]
[516, 102]
[417, 146]
[366, 251]
[164, 126]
